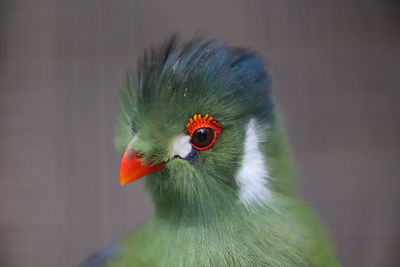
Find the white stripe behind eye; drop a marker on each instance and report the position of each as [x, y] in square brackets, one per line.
[253, 174]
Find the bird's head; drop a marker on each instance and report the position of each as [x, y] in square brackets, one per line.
[194, 122]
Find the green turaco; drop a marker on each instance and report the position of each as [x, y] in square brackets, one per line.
[199, 124]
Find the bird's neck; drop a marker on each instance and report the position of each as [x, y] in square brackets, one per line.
[198, 209]
[202, 216]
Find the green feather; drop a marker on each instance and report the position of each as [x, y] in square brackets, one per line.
[199, 219]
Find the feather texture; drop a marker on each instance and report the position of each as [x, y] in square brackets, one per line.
[202, 215]
[252, 176]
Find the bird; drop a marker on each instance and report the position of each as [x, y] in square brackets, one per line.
[198, 121]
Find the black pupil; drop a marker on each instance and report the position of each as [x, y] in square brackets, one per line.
[203, 137]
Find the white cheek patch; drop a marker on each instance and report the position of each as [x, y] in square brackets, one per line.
[181, 146]
[252, 176]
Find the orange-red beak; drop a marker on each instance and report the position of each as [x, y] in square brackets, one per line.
[133, 168]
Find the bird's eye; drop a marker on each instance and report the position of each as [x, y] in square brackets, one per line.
[203, 137]
[203, 131]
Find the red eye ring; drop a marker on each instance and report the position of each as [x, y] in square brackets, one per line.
[199, 122]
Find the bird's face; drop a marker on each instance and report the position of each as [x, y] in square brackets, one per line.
[184, 124]
[184, 148]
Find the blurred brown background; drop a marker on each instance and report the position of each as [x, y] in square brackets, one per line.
[335, 66]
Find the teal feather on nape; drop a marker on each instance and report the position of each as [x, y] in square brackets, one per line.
[199, 123]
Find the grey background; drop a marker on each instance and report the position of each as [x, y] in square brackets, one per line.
[335, 66]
